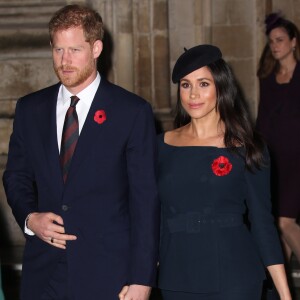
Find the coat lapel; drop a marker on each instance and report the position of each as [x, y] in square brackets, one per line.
[49, 138]
[91, 129]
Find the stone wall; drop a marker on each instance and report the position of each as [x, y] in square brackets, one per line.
[142, 42]
[137, 33]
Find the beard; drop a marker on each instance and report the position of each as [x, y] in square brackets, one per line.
[78, 76]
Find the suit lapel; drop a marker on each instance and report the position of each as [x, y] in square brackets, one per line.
[49, 138]
[91, 129]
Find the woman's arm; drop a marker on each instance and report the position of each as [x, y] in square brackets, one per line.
[279, 278]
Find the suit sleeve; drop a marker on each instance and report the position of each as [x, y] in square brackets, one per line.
[18, 178]
[144, 204]
[261, 219]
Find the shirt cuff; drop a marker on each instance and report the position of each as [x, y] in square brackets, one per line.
[26, 229]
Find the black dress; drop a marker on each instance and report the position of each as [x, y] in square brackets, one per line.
[278, 121]
[206, 248]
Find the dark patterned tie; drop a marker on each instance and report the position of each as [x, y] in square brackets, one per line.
[69, 137]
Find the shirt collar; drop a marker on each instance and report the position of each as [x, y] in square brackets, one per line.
[86, 95]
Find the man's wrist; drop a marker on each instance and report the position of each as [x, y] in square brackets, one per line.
[26, 228]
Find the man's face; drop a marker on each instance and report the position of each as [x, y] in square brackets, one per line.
[74, 59]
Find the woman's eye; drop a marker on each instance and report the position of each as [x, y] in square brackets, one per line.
[204, 84]
[185, 85]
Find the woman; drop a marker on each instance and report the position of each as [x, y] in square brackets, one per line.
[279, 122]
[212, 168]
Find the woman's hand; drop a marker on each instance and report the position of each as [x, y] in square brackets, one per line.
[135, 292]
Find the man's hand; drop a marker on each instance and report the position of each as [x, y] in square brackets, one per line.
[135, 292]
[49, 227]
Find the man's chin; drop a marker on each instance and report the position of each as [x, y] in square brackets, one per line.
[67, 82]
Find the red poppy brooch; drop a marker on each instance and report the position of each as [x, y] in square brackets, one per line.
[100, 116]
[221, 166]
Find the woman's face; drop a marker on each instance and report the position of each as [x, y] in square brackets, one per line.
[198, 94]
[280, 43]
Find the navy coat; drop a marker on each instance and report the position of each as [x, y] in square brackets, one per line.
[109, 200]
[206, 194]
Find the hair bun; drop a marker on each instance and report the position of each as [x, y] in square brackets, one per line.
[271, 20]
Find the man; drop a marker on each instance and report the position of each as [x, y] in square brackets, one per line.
[90, 215]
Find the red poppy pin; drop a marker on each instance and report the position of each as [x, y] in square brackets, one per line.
[100, 116]
[221, 166]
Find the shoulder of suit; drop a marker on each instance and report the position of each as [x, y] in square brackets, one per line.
[122, 94]
[39, 97]
[48, 91]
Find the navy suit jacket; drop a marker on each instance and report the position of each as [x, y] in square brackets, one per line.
[109, 200]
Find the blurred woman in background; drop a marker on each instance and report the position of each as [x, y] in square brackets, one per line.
[279, 122]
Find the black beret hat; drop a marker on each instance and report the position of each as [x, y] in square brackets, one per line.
[193, 59]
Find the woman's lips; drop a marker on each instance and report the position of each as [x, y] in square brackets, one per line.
[195, 105]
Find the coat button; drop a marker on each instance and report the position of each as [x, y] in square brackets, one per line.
[65, 207]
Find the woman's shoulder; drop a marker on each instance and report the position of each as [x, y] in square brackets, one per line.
[168, 137]
[172, 135]
[269, 79]
[297, 68]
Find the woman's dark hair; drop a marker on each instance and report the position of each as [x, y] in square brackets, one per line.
[267, 63]
[233, 110]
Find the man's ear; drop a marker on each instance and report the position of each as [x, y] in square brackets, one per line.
[97, 48]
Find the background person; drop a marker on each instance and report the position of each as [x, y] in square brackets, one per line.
[278, 121]
[1, 291]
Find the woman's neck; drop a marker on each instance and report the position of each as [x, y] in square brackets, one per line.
[286, 70]
[210, 133]
[200, 129]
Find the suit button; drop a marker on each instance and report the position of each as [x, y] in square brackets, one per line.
[65, 207]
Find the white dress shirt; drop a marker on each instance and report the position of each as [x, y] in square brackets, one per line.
[86, 97]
